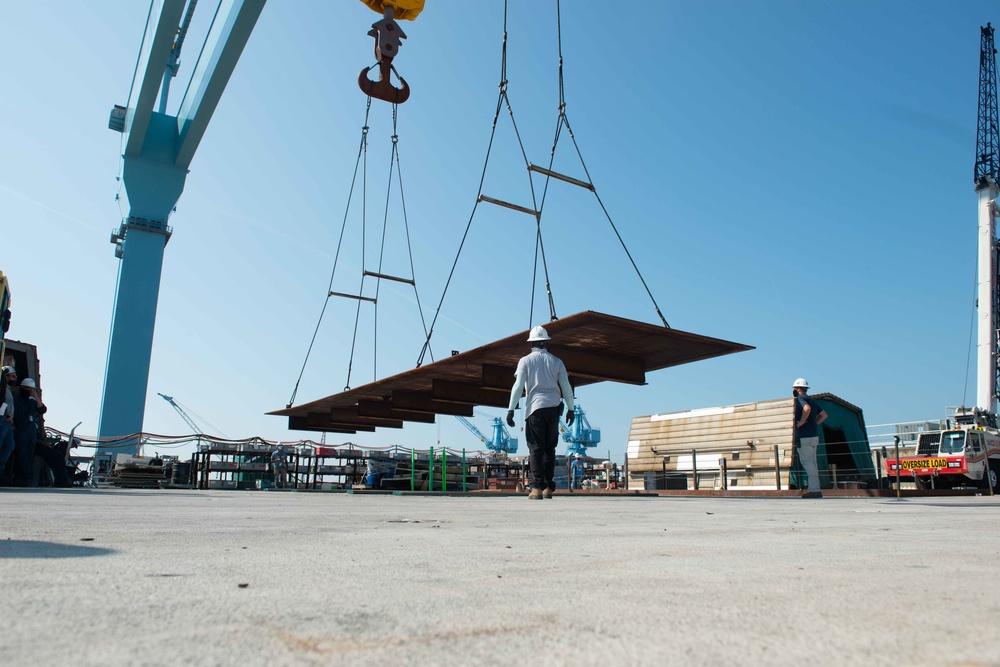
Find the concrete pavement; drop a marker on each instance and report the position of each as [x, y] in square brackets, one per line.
[234, 577]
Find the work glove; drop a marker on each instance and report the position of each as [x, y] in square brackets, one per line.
[569, 418]
[510, 418]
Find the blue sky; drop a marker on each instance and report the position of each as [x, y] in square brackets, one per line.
[795, 176]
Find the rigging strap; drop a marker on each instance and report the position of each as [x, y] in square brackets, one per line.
[502, 101]
[362, 151]
[361, 164]
[563, 121]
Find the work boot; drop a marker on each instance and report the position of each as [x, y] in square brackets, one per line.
[547, 493]
[536, 494]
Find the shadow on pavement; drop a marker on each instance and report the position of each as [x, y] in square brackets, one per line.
[35, 549]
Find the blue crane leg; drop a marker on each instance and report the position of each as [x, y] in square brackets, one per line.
[131, 338]
[158, 150]
[154, 184]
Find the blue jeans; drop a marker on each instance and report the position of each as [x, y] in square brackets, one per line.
[6, 443]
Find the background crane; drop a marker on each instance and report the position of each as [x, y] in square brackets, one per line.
[986, 177]
[187, 418]
[580, 436]
[501, 442]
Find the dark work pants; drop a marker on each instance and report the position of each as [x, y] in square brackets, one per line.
[542, 431]
[6, 443]
[24, 450]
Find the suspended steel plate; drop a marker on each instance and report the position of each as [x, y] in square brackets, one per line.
[595, 348]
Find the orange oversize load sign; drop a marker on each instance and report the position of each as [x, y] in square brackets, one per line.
[920, 464]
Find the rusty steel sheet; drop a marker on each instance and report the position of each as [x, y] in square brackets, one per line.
[594, 346]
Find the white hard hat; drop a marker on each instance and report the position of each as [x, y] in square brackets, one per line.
[578, 456]
[28, 382]
[801, 382]
[7, 370]
[538, 333]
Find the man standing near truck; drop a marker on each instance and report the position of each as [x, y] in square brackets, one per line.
[808, 417]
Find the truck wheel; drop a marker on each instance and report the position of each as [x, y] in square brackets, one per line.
[993, 476]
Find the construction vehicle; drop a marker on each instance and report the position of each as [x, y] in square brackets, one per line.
[968, 454]
[501, 442]
[580, 436]
[969, 450]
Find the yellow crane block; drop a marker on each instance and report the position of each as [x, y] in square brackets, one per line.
[402, 9]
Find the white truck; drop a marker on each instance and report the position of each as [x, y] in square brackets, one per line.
[967, 455]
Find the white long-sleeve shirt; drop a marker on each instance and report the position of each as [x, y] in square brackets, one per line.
[543, 376]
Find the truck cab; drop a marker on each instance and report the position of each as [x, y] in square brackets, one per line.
[966, 455]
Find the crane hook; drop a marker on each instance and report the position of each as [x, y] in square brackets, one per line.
[383, 88]
[388, 38]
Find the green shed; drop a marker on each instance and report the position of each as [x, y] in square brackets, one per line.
[746, 446]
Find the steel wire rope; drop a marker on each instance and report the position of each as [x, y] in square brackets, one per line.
[202, 419]
[482, 179]
[381, 253]
[539, 246]
[552, 156]
[538, 219]
[502, 99]
[364, 246]
[406, 227]
[393, 162]
[362, 149]
[538, 236]
[607, 215]
[565, 121]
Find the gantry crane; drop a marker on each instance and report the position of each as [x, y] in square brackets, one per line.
[501, 442]
[158, 149]
[580, 436]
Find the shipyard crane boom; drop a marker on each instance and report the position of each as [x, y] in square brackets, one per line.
[986, 179]
[187, 419]
[501, 442]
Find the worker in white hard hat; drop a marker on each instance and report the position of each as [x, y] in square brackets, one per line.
[808, 417]
[543, 378]
[28, 408]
